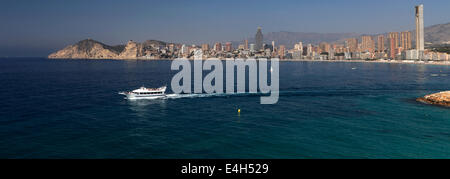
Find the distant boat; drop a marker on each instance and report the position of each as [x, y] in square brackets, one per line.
[145, 93]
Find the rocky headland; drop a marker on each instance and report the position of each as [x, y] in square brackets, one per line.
[91, 49]
[441, 99]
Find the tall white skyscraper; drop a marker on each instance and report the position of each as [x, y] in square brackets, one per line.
[273, 46]
[183, 49]
[252, 47]
[420, 44]
[309, 50]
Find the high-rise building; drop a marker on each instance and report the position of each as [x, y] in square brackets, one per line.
[394, 36]
[352, 44]
[296, 47]
[259, 39]
[205, 47]
[420, 42]
[245, 44]
[367, 44]
[380, 43]
[252, 47]
[228, 47]
[273, 46]
[177, 46]
[299, 46]
[281, 51]
[172, 47]
[183, 49]
[309, 50]
[405, 40]
[331, 54]
[218, 47]
[324, 47]
[338, 48]
[392, 48]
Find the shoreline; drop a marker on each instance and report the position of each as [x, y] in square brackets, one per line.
[443, 63]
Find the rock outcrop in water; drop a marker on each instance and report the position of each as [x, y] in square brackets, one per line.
[91, 49]
[442, 99]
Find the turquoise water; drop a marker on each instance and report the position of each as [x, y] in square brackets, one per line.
[71, 109]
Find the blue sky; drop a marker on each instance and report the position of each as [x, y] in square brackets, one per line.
[37, 27]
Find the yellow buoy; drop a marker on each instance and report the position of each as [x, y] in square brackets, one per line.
[239, 110]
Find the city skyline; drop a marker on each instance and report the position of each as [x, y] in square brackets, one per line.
[54, 32]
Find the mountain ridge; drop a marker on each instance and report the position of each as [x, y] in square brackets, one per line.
[435, 34]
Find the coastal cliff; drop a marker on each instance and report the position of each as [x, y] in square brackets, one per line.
[91, 49]
[441, 99]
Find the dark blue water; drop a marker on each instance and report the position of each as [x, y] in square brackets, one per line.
[71, 109]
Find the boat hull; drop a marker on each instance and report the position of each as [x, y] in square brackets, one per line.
[134, 97]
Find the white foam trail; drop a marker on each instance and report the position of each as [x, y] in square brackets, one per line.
[203, 95]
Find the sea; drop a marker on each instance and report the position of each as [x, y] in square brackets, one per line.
[71, 109]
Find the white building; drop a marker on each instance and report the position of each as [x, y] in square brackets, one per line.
[411, 54]
[252, 48]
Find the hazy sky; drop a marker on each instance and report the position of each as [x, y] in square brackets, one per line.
[38, 27]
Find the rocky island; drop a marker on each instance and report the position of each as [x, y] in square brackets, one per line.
[441, 99]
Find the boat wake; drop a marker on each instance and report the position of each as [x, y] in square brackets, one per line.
[205, 95]
[194, 95]
[285, 93]
[248, 94]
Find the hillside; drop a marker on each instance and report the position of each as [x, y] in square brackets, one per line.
[291, 38]
[438, 34]
[91, 49]
[88, 49]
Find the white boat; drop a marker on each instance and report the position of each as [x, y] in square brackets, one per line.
[145, 93]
